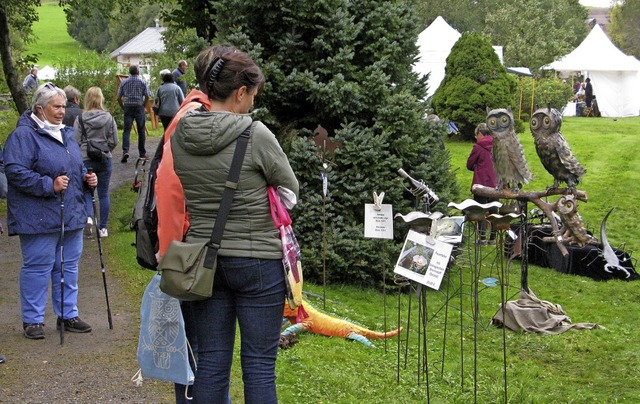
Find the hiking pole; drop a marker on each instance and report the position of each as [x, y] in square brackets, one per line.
[97, 232]
[62, 264]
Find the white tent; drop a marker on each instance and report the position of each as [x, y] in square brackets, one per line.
[434, 45]
[615, 77]
[47, 73]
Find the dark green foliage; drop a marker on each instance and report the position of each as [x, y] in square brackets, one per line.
[346, 66]
[89, 25]
[624, 30]
[104, 25]
[474, 80]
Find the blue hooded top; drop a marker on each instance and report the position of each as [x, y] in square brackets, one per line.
[32, 160]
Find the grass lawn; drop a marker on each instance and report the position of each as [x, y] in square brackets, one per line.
[600, 365]
[52, 42]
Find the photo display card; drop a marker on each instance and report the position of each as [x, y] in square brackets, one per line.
[423, 259]
[448, 229]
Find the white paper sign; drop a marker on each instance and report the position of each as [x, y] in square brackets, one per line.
[423, 259]
[378, 223]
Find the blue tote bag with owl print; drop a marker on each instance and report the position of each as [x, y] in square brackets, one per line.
[163, 349]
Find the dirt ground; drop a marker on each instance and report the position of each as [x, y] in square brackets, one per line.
[89, 368]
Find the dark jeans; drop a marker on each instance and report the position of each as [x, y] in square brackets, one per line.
[131, 113]
[166, 120]
[250, 292]
[103, 172]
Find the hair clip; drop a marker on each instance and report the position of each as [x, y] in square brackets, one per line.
[216, 67]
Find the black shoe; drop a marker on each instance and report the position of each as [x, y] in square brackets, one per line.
[73, 325]
[33, 330]
[125, 157]
[144, 157]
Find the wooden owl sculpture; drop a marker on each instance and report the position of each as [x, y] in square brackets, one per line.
[553, 149]
[508, 155]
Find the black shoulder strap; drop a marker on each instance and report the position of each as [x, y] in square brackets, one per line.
[227, 197]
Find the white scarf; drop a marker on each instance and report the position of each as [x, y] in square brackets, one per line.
[51, 129]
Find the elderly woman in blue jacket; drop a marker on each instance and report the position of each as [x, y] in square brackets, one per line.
[46, 180]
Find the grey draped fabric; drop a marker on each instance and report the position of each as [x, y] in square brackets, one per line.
[531, 314]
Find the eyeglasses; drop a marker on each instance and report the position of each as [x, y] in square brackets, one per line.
[50, 86]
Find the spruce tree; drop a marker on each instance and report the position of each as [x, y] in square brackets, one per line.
[474, 80]
[346, 66]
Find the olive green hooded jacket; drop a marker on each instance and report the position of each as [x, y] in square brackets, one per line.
[203, 146]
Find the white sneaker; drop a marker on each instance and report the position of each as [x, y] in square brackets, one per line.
[88, 229]
[103, 233]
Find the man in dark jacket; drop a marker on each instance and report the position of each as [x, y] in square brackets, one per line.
[588, 93]
[133, 95]
[72, 109]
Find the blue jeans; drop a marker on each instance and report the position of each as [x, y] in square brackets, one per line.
[131, 113]
[103, 172]
[41, 264]
[250, 291]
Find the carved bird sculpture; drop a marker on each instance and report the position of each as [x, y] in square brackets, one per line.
[553, 150]
[511, 166]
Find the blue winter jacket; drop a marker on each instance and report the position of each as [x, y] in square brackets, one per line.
[32, 160]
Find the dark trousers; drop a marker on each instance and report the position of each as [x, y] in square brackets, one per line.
[131, 113]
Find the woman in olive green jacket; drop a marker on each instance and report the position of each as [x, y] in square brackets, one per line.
[249, 285]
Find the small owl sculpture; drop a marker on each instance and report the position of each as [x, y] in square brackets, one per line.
[508, 155]
[553, 149]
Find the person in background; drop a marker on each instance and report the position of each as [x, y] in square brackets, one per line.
[72, 109]
[96, 124]
[170, 97]
[3, 195]
[30, 82]
[249, 284]
[133, 95]
[3, 183]
[46, 183]
[577, 86]
[588, 93]
[480, 161]
[177, 76]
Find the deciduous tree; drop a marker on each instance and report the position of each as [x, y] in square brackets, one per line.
[19, 15]
[624, 29]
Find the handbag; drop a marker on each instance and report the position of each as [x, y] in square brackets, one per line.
[96, 150]
[290, 249]
[163, 349]
[188, 269]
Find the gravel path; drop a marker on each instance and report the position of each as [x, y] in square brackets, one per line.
[89, 368]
